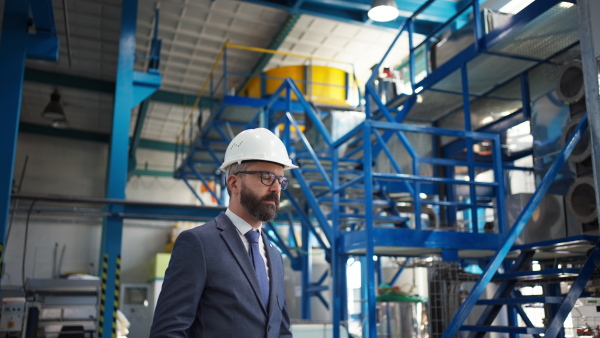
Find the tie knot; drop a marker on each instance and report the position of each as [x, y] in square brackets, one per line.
[252, 236]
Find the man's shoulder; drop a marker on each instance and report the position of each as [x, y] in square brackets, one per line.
[213, 226]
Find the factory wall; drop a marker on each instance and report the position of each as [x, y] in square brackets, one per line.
[62, 166]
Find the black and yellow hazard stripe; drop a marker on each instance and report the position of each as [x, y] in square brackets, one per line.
[117, 292]
[103, 295]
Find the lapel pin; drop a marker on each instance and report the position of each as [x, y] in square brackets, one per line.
[271, 245]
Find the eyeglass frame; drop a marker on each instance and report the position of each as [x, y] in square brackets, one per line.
[274, 177]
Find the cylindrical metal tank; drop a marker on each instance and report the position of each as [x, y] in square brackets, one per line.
[320, 84]
[401, 320]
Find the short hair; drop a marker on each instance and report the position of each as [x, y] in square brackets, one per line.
[233, 169]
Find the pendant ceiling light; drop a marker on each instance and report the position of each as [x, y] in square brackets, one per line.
[54, 110]
[383, 10]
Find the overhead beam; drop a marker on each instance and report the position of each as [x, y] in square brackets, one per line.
[90, 136]
[356, 12]
[103, 86]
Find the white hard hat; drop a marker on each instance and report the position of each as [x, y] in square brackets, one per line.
[258, 144]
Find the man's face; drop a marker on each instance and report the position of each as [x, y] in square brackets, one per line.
[257, 199]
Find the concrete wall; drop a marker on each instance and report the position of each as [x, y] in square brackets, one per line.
[61, 166]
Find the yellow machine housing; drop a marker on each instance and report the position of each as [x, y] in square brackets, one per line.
[326, 85]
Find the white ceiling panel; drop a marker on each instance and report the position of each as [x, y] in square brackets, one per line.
[361, 46]
[193, 33]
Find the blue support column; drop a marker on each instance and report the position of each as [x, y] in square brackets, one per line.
[338, 262]
[13, 48]
[553, 289]
[131, 89]
[469, 142]
[305, 258]
[371, 322]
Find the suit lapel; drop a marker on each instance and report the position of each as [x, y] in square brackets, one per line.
[231, 237]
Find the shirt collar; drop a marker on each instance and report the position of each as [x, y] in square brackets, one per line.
[241, 225]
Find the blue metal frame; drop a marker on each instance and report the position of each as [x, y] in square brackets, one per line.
[16, 44]
[340, 242]
[514, 232]
[13, 49]
[130, 90]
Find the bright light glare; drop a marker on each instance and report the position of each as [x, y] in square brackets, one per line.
[487, 120]
[383, 13]
[515, 6]
[566, 4]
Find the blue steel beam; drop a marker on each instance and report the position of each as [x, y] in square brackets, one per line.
[131, 88]
[107, 87]
[43, 45]
[145, 103]
[505, 289]
[370, 233]
[13, 48]
[43, 16]
[487, 42]
[398, 237]
[137, 134]
[575, 292]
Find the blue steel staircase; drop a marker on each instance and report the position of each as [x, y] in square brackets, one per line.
[353, 208]
[507, 295]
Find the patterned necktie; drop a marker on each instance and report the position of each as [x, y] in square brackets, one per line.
[259, 265]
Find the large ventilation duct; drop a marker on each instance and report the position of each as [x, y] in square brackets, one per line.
[570, 88]
[581, 200]
[583, 150]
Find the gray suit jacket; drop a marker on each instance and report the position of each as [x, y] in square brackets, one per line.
[211, 290]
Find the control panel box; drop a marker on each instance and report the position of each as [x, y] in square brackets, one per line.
[13, 313]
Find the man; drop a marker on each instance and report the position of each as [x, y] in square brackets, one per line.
[224, 278]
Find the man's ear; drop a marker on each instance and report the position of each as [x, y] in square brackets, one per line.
[233, 183]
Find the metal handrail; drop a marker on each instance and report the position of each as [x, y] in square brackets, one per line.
[180, 139]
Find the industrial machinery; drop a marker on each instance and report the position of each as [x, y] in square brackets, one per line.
[62, 305]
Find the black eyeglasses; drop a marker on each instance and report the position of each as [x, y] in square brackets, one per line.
[268, 178]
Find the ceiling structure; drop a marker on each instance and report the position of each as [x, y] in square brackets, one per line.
[193, 33]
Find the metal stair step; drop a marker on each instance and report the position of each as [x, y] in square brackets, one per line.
[528, 275]
[505, 329]
[522, 300]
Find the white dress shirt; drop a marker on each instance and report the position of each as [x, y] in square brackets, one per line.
[243, 227]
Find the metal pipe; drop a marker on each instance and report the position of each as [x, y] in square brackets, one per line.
[67, 32]
[97, 200]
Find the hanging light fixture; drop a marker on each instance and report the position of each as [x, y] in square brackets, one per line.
[383, 10]
[54, 110]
